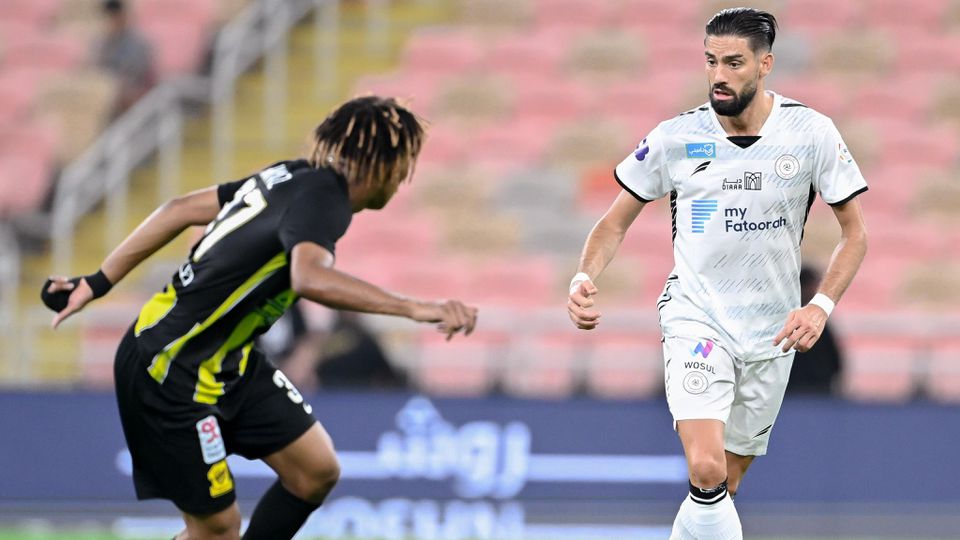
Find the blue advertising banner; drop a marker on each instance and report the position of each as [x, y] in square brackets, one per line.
[496, 462]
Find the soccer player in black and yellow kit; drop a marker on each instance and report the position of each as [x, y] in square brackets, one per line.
[191, 386]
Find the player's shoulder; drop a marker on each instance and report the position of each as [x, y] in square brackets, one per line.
[801, 116]
[690, 122]
[298, 178]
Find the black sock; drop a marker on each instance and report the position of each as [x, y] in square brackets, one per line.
[279, 515]
[708, 496]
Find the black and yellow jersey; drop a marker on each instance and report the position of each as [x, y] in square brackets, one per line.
[198, 332]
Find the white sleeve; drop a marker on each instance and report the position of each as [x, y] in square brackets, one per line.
[837, 177]
[644, 173]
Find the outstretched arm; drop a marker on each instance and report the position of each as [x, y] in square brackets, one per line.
[163, 225]
[598, 251]
[804, 325]
[312, 276]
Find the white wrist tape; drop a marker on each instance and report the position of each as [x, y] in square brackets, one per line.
[824, 302]
[577, 280]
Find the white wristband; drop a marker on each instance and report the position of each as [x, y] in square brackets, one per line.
[577, 280]
[824, 302]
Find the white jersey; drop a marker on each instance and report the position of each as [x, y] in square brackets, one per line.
[738, 217]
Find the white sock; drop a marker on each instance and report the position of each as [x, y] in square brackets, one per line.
[713, 518]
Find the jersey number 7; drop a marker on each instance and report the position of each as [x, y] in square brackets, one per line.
[232, 216]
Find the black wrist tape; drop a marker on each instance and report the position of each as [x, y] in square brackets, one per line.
[98, 283]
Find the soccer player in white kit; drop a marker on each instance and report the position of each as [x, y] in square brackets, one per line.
[742, 172]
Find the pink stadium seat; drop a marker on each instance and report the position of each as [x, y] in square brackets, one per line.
[670, 51]
[459, 367]
[943, 370]
[552, 98]
[623, 366]
[878, 279]
[520, 282]
[922, 15]
[522, 141]
[98, 347]
[178, 45]
[651, 15]
[27, 153]
[532, 54]
[876, 369]
[32, 12]
[18, 88]
[447, 51]
[24, 181]
[902, 143]
[573, 13]
[542, 366]
[199, 12]
[643, 108]
[817, 17]
[418, 91]
[926, 52]
[820, 93]
[907, 97]
[50, 52]
[393, 234]
[444, 144]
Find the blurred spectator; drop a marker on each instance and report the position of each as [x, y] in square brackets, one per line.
[816, 371]
[345, 355]
[126, 54]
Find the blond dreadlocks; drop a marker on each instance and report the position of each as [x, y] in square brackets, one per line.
[369, 139]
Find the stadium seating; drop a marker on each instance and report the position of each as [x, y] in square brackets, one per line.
[531, 103]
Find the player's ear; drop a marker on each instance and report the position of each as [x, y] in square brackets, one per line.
[766, 64]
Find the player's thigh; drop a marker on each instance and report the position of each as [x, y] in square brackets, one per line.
[703, 447]
[699, 379]
[759, 395]
[222, 525]
[275, 423]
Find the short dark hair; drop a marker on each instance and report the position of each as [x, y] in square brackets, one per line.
[368, 138]
[113, 6]
[758, 27]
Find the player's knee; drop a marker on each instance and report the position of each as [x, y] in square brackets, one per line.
[317, 481]
[707, 472]
[220, 526]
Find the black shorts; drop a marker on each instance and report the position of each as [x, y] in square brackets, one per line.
[179, 449]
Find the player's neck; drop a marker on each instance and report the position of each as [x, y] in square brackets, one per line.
[751, 120]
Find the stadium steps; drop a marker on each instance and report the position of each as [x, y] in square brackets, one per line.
[52, 357]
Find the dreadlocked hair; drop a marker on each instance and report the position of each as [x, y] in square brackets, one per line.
[369, 139]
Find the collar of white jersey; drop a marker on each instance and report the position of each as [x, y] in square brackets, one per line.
[768, 125]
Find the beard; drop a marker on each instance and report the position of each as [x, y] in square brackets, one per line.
[737, 102]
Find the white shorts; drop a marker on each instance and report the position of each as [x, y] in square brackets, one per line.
[703, 381]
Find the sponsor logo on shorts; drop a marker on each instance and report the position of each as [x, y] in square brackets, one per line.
[221, 482]
[701, 150]
[211, 441]
[787, 166]
[703, 349]
[701, 366]
[695, 382]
